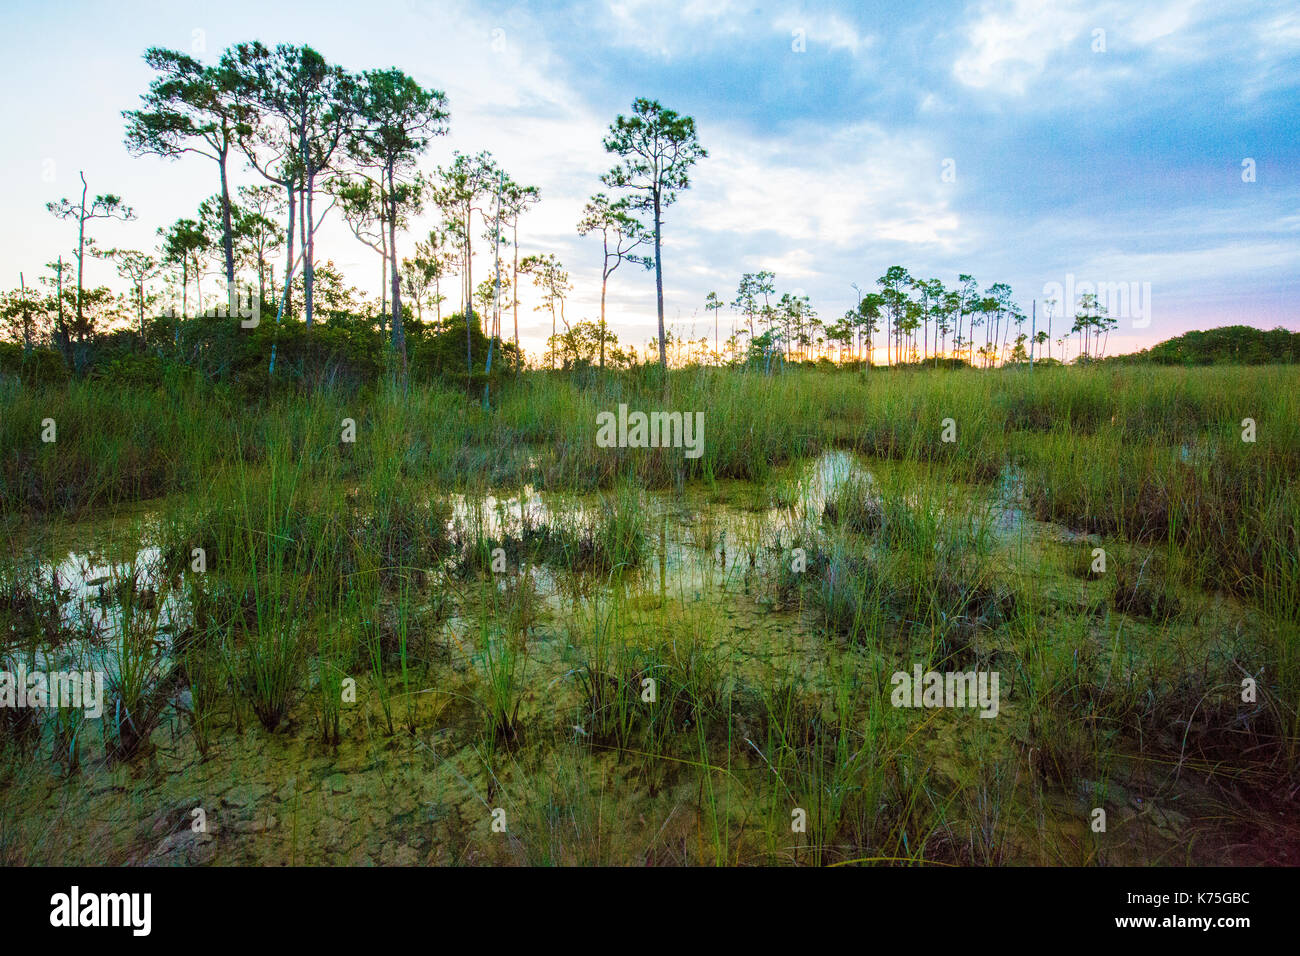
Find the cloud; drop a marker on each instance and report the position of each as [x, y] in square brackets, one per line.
[1009, 44]
[1076, 47]
[828, 187]
[668, 30]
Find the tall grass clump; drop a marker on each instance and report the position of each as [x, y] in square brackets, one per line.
[135, 690]
[110, 444]
[502, 663]
[842, 761]
[906, 555]
[279, 560]
[198, 652]
[608, 675]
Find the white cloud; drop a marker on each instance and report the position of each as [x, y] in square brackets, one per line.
[1011, 44]
[829, 188]
[665, 30]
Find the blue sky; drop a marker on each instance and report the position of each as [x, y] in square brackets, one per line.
[828, 124]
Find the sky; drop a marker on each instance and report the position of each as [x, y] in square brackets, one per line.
[1045, 145]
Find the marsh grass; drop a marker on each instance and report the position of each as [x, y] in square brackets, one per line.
[608, 676]
[1140, 589]
[842, 761]
[501, 660]
[20, 727]
[987, 816]
[135, 690]
[855, 505]
[328, 559]
[563, 818]
[904, 559]
[198, 650]
[36, 607]
[407, 671]
[271, 656]
[120, 444]
[368, 623]
[68, 724]
[402, 532]
[332, 657]
[693, 685]
[608, 537]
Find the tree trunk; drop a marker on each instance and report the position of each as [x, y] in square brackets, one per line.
[399, 331]
[27, 319]
[514, 287]
[659, 284]
[496, 298]
[469, 292]
[288, 267]
[64, 343]
[309, 250]
[227, 239]
[288, 256]
[81, 246]
[888, 333]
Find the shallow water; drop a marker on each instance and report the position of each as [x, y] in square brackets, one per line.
[697, 542]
